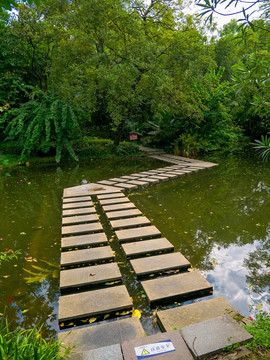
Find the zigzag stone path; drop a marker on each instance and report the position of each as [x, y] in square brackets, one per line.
[150, 254]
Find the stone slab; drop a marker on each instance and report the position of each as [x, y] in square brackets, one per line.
[140, 248]
[170, 175]
[77, 205]
[79, 219]
[181, 350]
[89, 189]
[106, 182]
[146, 173]
[129, 177]
[114, 201]
[182, 316]
[176, 174]
[211, 336]
[149, 180]
[116, 207]
[112, 352]
[125, 185]
[123, 214]
[81, 211]
[138, 182]
[76, 199]
[176, 287]
[83, 241]
[111, 196]
[130, 223]
[138, 175]
[86, 256]
[118, 179]
[138, 233]
[105, 334]
[89, 275]
[82, 229]
[159, 263]
[91, 303]
[160, 177]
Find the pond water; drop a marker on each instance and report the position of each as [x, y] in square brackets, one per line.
[218, 218]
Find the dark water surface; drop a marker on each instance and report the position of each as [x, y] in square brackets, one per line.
[218, 218]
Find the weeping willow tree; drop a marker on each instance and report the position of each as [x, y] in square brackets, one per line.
[43, 124]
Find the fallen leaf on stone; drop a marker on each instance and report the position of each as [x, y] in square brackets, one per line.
[92, 319]
[106, 316]
[136, 313]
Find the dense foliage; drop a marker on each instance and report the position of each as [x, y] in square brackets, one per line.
[71, 70]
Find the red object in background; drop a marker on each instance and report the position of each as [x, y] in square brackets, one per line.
[133, 137]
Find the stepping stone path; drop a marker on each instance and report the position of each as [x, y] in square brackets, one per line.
[94, 293]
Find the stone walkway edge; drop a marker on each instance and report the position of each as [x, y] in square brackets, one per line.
[87, 254]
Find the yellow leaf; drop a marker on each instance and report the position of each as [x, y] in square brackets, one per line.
[136, 313]
[25, 311]
[70, 324]
[124, 313]
[6, 276]
[93, 319]
[62, 324]
[106, 316]
[259, 306]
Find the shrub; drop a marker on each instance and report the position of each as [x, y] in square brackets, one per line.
[127, 148]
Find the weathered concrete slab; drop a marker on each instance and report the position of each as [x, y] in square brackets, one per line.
[118, 180]
[76, 199]
[130, 223]
[111, 196]
[129, 177]
[138, 233]
[211, 336]
[106, 182]
[160, 177]
[124, 206]
[138, 175]
[176, 287]
[182, 316]
[138, 182]
[83, 241]
[125, 186]
[149, 180]
[86, 256]
[140, 248]
[159, 263]
[123, 214]
[82, 229]
[89, 189]
[89, 276]
[79, 219]
[91, 303]
[93, 337]
[113, 352]
[77, 205]
[146, 173]
[180, 352]
[174, 173]
[114, 201]
[80, 211]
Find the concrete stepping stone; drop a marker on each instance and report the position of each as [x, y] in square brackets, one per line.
[138, 233]
[161, 346]
[106, 182]
[91, 303]
[125, 186]
[212, 336]
[159, 263]
[111, 196]
[176, 174]
[151, 247]
[114, 201]
[89, 189]
[76, 199]
[81, 211]
[86, 256]
[160, 177]
[118, 180]
[146, 173]
[107, 352]
[76, 205]
[129, 177]
[186, 315]
[176, 287]
[138, 175]
[83, 241]
[138, 182]
[149, 180]
[130, 223]
[82, 229]
[89, 276]
[116, 207]
[105, 334]
[79, 219]
[123, 214]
